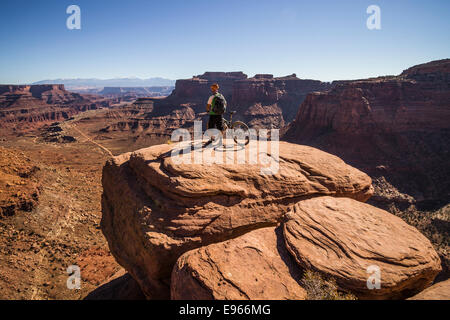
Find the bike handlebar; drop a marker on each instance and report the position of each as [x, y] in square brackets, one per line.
[201, 114]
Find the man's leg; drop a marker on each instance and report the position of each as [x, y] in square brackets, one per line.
[219, 122]
[210, 125]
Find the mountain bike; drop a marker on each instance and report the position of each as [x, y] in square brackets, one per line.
[240, 133]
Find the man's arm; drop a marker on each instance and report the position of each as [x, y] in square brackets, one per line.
[208, 105]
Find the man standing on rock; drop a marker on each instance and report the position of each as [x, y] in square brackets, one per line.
[216, 107]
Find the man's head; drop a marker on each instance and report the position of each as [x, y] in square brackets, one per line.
[214, 87]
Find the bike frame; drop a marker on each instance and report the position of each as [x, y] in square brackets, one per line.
[228, 122]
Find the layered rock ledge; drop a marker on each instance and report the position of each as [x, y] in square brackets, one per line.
[227, 231]
[154, 210]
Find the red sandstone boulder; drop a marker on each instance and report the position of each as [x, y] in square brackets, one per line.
[344, 239]
[154, 209]
[253, 266]
[438, 291]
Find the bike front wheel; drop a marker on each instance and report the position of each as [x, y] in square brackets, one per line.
[241, 133]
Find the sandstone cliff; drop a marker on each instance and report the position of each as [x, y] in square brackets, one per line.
[397, 128]
[26, 107]
[197, 89]
[23, 95]
[267, 102]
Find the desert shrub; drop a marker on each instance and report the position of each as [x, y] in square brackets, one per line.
[320, 288]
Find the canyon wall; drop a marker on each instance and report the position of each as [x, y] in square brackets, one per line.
[133, 93]
[267, 102]
[26, 107]
[396, 127]
[262, 101]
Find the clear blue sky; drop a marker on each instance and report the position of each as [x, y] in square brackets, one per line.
[320, 39]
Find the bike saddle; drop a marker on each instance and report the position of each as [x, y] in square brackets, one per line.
[232, 112]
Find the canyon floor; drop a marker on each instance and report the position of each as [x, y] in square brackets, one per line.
[63, 228]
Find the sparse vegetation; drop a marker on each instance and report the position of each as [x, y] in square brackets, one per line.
[319, 288]
[435, 225]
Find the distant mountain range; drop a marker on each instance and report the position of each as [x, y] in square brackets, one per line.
[76, 84]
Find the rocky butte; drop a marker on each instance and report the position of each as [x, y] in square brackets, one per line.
[184, 231]
[262, 101]
[197, 89]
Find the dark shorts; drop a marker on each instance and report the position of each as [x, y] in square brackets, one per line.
[215, 121]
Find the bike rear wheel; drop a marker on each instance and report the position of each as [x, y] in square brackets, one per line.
[241, 133]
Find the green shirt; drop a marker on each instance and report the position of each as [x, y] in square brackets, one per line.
[211, 101]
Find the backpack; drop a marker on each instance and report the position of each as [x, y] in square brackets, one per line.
[219, 104]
